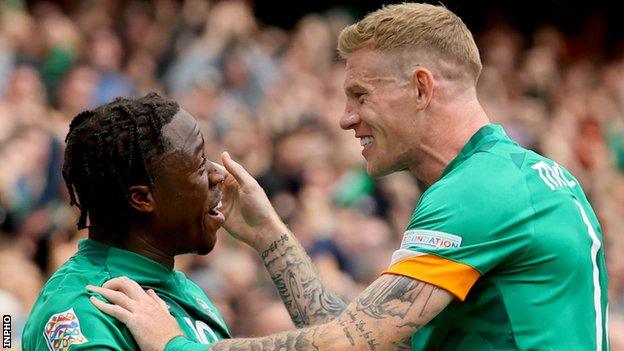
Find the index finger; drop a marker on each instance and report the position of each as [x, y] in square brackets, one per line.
[236, 170]
[220, 167]
[126, 286]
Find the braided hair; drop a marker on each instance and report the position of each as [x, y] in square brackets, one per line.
[109, 149]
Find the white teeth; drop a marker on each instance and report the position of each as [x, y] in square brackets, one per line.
[367, 140]
[217, 207]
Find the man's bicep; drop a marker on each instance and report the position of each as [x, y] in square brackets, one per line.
[391, 309]
[403, 298]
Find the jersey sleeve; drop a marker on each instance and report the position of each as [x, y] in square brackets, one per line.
[81, 326]
[463, 227]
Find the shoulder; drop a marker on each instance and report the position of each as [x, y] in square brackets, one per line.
[63, 315]
[70, 319]
[485, 180]
[485, 191]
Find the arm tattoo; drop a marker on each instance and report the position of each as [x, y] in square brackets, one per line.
[298, 340]
[364, 332]
[405, 345]
[393, 297]
[382, 318]
[307, 299]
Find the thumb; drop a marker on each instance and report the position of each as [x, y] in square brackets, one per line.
[236, 170]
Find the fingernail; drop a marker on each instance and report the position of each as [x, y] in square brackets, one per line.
[90, 287]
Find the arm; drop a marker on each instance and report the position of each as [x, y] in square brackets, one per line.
[387, 312]
[252, 219]
[307, 299]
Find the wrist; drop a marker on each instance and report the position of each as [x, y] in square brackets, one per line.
[182, 343]
[268, 234]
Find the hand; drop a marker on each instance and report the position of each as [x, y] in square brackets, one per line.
[248, 212]
[144, 313]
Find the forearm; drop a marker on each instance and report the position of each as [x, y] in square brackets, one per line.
[299, 339]
[348, 332]
[307, 299]
[382, 318]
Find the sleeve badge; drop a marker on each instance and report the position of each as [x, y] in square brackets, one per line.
[63, 330]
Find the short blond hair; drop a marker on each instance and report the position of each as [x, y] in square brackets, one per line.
[414, 26]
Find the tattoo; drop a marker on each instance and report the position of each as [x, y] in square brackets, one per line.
[307, 299]
[404, 345]
[273, 246]
[363, 331]
[393, 297]
[298, 340]
[422, 310]
[345, 330]
[379, 319]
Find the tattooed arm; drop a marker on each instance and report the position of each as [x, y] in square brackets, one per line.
[387, 312]
[307, 299]
[252, 219]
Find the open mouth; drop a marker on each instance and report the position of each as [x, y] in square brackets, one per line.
[365, 141]
[214, 213]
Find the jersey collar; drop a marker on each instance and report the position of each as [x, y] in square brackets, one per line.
[482, 140]
[122, 262]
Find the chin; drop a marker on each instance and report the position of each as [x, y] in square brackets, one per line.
[376, 171]
[207, 246]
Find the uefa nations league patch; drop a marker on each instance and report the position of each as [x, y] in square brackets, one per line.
[63, 330]
[430, 239]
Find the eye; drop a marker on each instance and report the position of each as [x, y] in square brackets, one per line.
[360, 97]
[202, 166]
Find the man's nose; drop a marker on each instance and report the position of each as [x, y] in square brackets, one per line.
[216, 176]
[349, 120]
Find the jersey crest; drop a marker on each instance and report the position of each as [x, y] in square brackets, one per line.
[63, 330]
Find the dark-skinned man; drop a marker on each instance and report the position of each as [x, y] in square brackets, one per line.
[137, 171]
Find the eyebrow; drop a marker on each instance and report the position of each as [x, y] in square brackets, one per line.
[200, 146]
[353, 89]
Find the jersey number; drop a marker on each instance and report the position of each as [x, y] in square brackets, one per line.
[202, 331]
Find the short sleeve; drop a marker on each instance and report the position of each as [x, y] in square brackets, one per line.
[463, 227]
[82, 326]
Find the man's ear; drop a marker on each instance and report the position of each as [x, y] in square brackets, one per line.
[141, 198]
[422, 79]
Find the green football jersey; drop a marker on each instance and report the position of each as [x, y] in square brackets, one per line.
[512, 236]
[64, 319]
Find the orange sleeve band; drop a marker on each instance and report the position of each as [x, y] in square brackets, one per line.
[454, 277]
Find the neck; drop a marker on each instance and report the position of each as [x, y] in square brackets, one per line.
[447, 134]
[136, 240]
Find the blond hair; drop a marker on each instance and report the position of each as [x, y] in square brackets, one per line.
[414, 26]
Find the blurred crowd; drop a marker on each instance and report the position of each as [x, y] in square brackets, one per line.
[272, 98]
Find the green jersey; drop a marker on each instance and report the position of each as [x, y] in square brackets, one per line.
[511, 235]
[64, 319]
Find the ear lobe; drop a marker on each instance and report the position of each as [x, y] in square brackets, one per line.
[141, 198]
[423, 81]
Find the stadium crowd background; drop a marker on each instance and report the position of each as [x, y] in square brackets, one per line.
[272, 98]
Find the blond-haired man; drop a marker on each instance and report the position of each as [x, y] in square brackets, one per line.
[503, 250]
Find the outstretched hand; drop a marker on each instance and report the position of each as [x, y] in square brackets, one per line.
[248, 211]
[144, 313]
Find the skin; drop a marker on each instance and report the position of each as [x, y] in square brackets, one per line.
[420, 116]
[176, 215]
